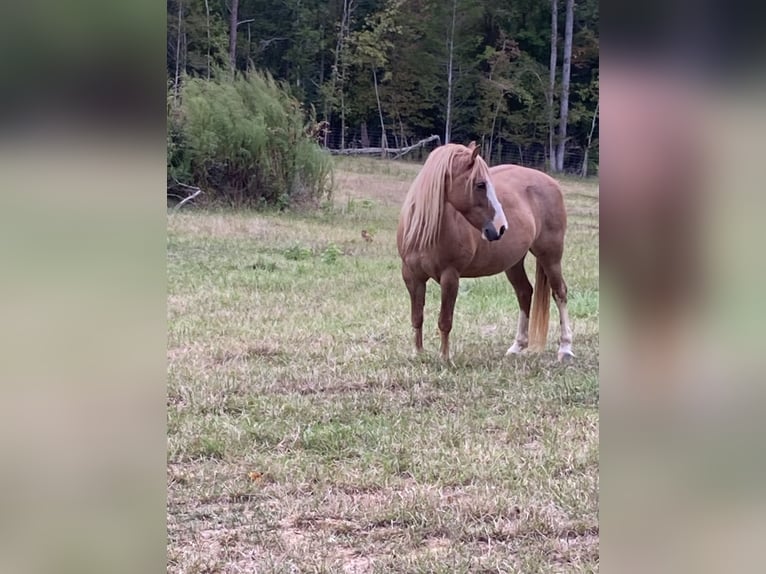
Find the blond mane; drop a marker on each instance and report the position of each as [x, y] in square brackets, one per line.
[423, 206]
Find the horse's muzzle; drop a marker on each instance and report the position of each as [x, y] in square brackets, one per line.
[491, 234]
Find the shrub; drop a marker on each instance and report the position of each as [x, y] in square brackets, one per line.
[245, 141]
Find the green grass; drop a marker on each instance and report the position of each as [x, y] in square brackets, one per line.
[290, 356]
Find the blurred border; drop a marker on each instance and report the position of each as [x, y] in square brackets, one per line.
[82, 244]
[681, 244]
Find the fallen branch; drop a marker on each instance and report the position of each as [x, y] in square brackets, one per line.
[359, 151]
[197, 191]
[421, 143]
[399, 152]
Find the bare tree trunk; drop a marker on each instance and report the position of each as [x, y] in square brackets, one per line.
[321, 58]
[339, 43]
[340, 64]
[233, 34]
[451, 44]
[207, 26]
[321, 83]
[342, 120]
[497, 110]
[178, 51]
[344, 63]
[383, 139]
[565, 73]
[334, 69]
[492, 131]
[584, 170]
[552, 83]
[185, 52]
[249, 46]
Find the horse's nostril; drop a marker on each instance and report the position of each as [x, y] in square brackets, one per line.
[502, 230]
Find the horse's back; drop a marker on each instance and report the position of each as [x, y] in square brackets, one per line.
[530, 189]
[527, 184]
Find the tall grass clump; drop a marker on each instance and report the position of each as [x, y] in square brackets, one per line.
[245, 140]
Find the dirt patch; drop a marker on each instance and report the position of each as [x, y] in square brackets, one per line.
[267, 350]
[308, 534]
[326, 388]
[357, 564]
[223, 225]
[578, 549]
[386, 190]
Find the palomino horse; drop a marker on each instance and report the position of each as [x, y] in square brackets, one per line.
[462, 219]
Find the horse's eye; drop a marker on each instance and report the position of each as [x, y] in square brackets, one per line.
[482, 185]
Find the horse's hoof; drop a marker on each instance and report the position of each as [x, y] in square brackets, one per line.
[515, 349]
[566, 356]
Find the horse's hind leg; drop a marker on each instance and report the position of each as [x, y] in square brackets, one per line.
[517, 275]
[417, 289]
[551, 263]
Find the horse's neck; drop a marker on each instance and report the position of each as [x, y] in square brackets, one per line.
[455, 230]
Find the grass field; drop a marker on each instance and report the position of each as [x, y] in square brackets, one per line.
[304, 436]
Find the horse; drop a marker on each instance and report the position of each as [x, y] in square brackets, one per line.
[461, 218]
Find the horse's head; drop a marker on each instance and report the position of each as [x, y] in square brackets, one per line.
[470, 191]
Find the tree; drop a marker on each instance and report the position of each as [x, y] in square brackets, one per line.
[584, 170]
[233, 24]
[412, 88]
[371, 47]
[178, 50]
[451, 49]
[334, 93]
[552, 164]
[565, 76]
[497, 86]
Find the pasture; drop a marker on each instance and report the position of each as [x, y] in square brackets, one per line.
[305, 436]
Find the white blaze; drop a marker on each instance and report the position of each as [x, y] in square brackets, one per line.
[499, 220]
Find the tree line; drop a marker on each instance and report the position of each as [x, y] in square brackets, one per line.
[519, 76]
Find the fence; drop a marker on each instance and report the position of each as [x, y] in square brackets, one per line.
[498, 151]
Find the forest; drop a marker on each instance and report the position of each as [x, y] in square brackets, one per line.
[518, 76]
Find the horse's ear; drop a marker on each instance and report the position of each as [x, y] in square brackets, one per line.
[475, 149]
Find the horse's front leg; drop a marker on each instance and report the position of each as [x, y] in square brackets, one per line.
[449, 282]
[416, 286]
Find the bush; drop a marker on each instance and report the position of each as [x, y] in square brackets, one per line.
[245, 141]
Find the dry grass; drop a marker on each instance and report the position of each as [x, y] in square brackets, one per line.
[303, 436]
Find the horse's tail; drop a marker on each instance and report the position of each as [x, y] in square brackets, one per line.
[541, 311]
